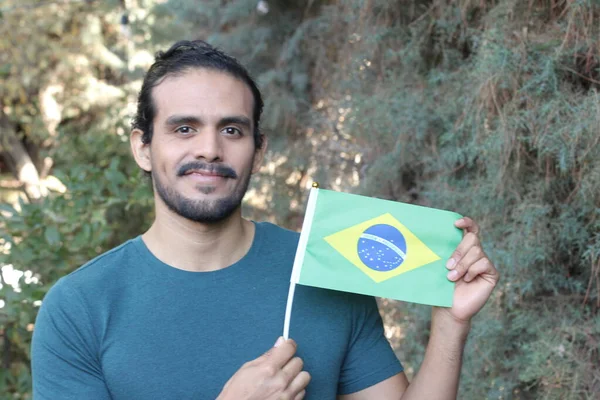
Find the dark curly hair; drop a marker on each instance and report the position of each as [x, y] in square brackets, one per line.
[181, 57]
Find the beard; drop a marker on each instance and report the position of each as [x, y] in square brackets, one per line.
[204, 211]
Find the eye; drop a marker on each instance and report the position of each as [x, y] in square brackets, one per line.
[184, 130]
[232, 131]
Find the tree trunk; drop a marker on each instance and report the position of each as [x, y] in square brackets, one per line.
[19, 161]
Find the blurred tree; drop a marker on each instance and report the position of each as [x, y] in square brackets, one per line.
[65, 99]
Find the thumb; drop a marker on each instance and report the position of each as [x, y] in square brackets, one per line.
[267, 354]
[281, 352]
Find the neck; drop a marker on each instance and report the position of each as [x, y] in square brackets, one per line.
[198, 247]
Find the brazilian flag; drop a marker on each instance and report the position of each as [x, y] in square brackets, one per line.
[376, 247]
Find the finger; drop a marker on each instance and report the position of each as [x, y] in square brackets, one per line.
[280, 355]
[474, 254]
[292, 369]
[468, 225]
[300, 395]
[467, 242]
[483, 268]
[299, 384]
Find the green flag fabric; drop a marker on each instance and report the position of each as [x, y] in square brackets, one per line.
[376, 247]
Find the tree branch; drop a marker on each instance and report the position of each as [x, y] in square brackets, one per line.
[19, 161]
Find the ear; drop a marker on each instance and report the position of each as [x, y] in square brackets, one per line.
[259, 154]
[140, 150]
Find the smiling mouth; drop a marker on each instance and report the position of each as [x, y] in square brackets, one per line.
[207, 171]
[204, 173]
[205, 178]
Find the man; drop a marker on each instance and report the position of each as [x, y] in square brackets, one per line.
[193, 307]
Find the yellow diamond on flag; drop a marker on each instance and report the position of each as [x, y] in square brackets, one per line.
[382, 248]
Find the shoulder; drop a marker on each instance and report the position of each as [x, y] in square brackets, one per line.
[76, 298]
[106, 267]
[278, 233]
[276, 239]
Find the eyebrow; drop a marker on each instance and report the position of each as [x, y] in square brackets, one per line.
[189, 119]
[236, 120]
[182, 119]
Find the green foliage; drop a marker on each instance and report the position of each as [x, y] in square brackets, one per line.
[65, 88]
[487, 108]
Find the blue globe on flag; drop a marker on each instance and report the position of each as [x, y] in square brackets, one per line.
[382, 247]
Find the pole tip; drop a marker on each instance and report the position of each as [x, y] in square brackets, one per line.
[315, 185]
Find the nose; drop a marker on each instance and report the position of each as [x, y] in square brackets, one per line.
[208, 146]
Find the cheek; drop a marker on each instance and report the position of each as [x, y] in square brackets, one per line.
[242, 159]
[250, 165]
[166, 158]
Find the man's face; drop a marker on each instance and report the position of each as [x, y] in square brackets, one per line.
[202, 151]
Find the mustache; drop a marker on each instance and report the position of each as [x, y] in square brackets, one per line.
[217, 169]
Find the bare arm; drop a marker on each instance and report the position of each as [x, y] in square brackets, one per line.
[439, 374]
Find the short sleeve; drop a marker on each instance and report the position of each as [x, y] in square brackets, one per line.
[64, 356]
[370, 358]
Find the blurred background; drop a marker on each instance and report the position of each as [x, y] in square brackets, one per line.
[488, 108]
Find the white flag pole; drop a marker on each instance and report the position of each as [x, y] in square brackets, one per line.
[306, 225]
[288, 311]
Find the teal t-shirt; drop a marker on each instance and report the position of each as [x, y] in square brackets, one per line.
[127, 326]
